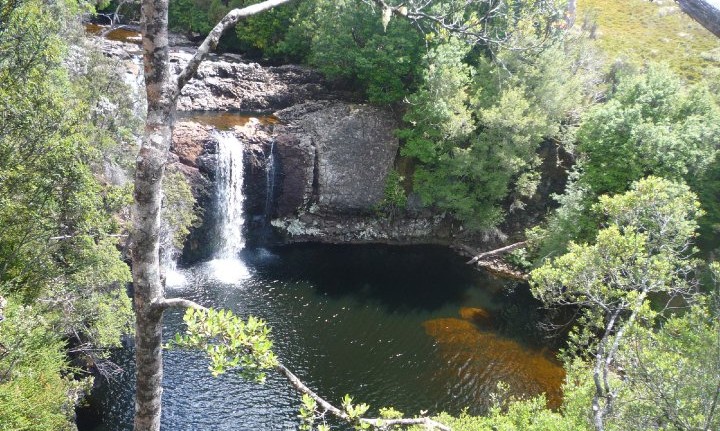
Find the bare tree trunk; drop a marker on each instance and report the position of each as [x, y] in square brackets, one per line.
[150, 167]
[162, 91]
[705, 12]
[570, 13]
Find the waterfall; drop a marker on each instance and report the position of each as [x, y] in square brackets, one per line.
[269, 183]
[230, 195]
[227, 266]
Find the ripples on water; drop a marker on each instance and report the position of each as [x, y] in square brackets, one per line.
[411, 327]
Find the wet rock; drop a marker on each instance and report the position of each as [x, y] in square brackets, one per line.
[188, 141]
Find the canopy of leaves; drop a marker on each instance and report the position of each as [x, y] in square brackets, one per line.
[477, 123]
[644, 248]
[33, 386]
[652, 124]
[60, 217]
[673, 374]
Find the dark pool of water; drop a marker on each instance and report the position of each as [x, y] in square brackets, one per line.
[411, 327]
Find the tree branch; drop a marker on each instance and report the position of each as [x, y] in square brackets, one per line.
[180, 303]
[212, 39]
[453, 22]
[705, 12]
[376, 422]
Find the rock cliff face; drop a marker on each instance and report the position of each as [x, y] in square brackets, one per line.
[346, 151]
[226, 83]
[330, 158]
[335, 158]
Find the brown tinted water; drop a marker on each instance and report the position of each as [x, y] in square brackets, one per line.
[481, 359]
[118, 34]
[226, 120]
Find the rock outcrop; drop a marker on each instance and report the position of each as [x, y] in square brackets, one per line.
[331, 156]
[350, 147]
[314, 226]
[228, 84]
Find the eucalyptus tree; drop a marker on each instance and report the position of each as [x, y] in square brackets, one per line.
[645, 250]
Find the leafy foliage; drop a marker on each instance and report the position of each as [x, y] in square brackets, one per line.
[33, 389]
[644, 250]
[394, 198]
[60, 217]
[231, 343]
[348, 43]
[673, 374]
[651, 125]
[476, 130]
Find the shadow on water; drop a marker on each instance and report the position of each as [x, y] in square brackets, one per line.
[400, 278]
[412, 327]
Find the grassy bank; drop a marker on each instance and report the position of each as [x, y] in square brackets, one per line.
[640, 31]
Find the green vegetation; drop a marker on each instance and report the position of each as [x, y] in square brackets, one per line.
[640, 31]
[34, 388]
[477, 122]
[643, 190]
[651, 124]
[394, 199]
[60, 267]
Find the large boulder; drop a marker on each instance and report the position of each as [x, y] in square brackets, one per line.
[336, 155]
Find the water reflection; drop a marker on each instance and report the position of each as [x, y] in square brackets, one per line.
[226, 120]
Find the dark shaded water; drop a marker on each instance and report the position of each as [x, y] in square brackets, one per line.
[411, 327]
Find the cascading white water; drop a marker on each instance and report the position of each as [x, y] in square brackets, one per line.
[230, 195]
[226, 266]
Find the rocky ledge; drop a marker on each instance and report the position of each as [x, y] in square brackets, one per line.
[227, 82]
[352, 229]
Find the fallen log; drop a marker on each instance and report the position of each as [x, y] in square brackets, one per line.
[495, 252]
